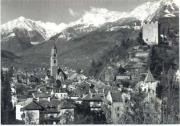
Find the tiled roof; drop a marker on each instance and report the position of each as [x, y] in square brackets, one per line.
[66, 104]
[93, 90]
[33, 106]
[25, 102]
[49, 106]
[124, 74]
[42, 95]
[79, 99]
[53, 105]
[55, 102]
[93, 97]
[23, 97]
[68, 81]
[61, 90]
[44, 103]
[116, 97]
[149, 77]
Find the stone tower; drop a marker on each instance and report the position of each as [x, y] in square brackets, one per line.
[53, 61]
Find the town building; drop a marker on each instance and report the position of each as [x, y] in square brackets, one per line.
[93, 100]
[51, 111]
[149, 85]
[19, 106]
[120, 77]
[62, 94]
[115, 103]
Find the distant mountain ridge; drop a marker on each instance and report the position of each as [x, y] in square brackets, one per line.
[83, 40]
[91, 20]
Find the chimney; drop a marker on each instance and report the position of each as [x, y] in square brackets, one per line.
[52, 92]
[103, 91]
[38, 99]
[90, 93]
[33, 95]
[97, 91]
[49, 99]
[83, 95]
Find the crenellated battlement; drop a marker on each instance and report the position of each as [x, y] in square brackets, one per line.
[150, 22]
[150, 32]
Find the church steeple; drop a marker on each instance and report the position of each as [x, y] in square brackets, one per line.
[149, 77]
[53, 61]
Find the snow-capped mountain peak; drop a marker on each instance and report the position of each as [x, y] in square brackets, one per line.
[93, 19]
[143, 11]
[46, 29]
[19, 22]
[98, 16]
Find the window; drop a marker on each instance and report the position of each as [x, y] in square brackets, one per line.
[117, 108]
[118, 115]
[145, 89]
[51, 116]
[54, 61]
[126, 100]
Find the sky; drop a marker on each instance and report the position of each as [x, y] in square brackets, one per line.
[59, 11]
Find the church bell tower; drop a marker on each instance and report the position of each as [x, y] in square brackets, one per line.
[53, 61]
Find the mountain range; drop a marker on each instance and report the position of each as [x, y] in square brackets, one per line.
[81, 41]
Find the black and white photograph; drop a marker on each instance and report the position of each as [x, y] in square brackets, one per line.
[89, 62]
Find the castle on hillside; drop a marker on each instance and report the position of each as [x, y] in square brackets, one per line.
[151, 33]
[163, 31]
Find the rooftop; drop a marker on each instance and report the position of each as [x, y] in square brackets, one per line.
[149, 77]
[41, 95]
[33, 106]
[116, 96]
[51, 106]
[93, 97]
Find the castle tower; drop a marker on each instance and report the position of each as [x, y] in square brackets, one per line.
[53, 61]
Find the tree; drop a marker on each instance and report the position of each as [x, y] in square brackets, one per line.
[6, 104]
[170, 95]
[68, 116]
[140, 39]
[140, 111]
[96, 67]
[58, 84]
[29, 117]
[107, 112]
[151, 112]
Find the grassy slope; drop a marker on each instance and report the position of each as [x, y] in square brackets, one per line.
[79, 52]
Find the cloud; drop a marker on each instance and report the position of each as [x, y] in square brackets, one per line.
[72, 12]
[99, 16]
